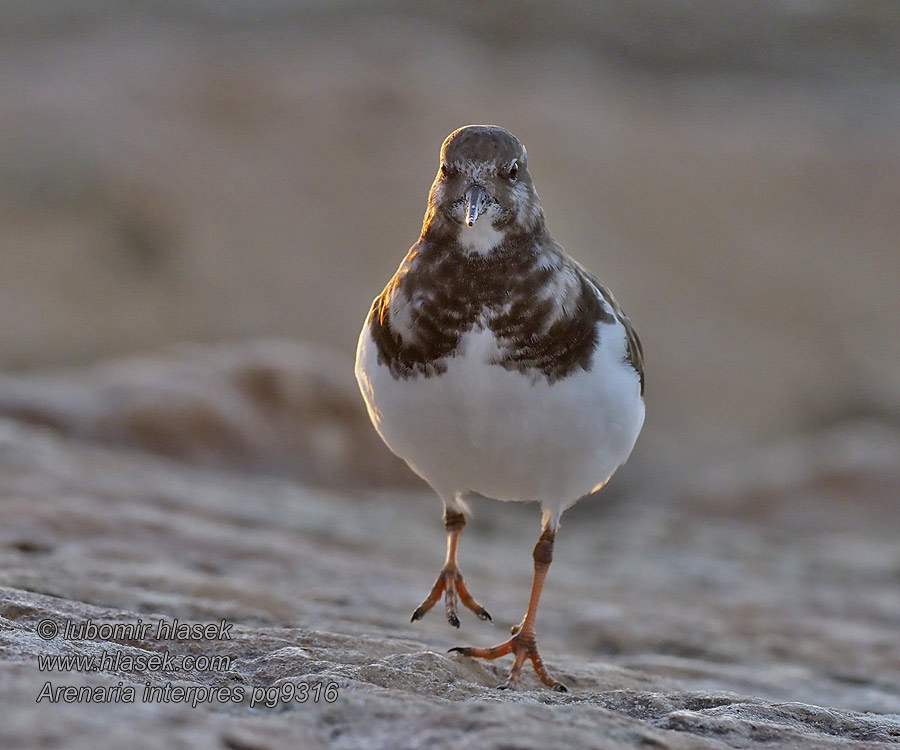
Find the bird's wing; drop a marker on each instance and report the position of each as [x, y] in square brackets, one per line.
[634, 349]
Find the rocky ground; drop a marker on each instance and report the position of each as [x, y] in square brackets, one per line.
[758, 607]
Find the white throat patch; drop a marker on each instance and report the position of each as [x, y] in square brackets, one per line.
[482, 237]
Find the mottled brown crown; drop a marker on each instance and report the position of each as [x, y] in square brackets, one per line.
[483, 143]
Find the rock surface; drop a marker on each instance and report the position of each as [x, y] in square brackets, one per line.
[271, 406]
[763, 616]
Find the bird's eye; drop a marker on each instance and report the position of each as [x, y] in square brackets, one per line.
[512, 170]
[445, 170]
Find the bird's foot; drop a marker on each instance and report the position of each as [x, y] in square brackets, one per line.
[450, 583]
[523, 645]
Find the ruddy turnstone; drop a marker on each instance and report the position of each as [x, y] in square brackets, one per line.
[494, 363]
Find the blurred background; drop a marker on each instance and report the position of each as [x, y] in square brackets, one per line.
[244, 170]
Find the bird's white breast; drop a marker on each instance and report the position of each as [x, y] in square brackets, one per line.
[504, 433]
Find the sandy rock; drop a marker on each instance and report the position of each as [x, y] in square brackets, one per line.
[266, 406]
[674, 627]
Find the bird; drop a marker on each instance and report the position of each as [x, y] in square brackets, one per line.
[496, 365]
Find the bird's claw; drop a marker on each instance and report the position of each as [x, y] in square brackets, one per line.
[523, 646]
[450, 583]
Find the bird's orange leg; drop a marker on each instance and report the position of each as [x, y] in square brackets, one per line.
[523, 644]
[450, 582]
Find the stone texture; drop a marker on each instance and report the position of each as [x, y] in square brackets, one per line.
[268, 406]
[757, 614]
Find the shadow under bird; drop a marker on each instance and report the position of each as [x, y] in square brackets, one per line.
[494, 363]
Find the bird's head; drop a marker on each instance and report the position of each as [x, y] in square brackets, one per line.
[483, 191]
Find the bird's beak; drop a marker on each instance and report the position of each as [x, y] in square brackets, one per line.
[475, 201]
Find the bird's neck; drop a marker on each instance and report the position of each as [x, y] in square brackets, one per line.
[483, 239]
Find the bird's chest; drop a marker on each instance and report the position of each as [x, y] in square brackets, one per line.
[465, 392]
[420, 325]
[502, 432]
